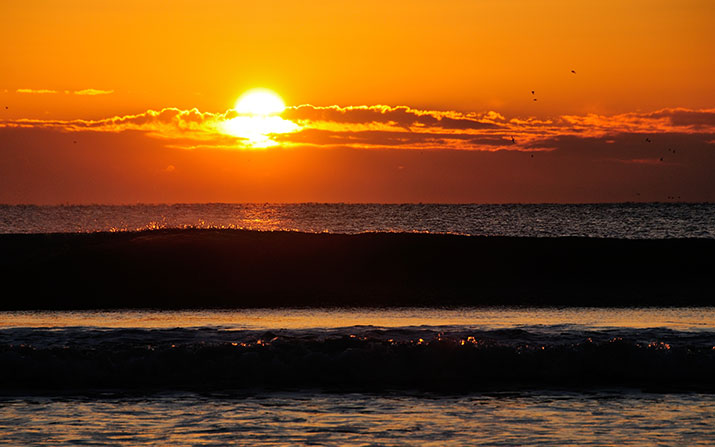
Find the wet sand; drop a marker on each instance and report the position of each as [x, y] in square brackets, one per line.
[239, 269]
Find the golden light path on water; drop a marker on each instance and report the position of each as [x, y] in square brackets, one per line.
[689, 318]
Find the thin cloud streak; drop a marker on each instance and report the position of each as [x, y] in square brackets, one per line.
[35, 91]
[84, 92]
[93, 92]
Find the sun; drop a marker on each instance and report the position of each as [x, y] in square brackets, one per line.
[258, 118]
[259, 101]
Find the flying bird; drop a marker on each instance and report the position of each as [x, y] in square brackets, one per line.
[535, 99]
[647, 140]
[512, 140]
[573, 71]
[532, 92]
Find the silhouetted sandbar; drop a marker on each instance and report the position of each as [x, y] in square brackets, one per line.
[238, 269]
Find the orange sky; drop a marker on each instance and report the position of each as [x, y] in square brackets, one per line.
[79, 79]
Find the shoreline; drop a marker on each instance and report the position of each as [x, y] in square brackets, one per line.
[233, 269]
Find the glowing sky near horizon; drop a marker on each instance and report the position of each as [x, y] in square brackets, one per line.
[463, 101]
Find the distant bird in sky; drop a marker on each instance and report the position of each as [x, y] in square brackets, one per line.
[532, 155]
[532, 92]
[512, 140]
[661, 158]
[535, 99]
[573, 71]
[647, 140]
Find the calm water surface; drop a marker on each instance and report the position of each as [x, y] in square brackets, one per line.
[628, 220]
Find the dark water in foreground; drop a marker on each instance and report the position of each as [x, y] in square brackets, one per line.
[490, 376]
[627, 220]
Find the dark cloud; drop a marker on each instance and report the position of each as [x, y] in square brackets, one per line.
[399, 116]
[684, 117]
[402, 127]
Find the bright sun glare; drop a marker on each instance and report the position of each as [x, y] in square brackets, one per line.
[259, 101]
[258, 118]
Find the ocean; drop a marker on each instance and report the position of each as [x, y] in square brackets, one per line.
[342, 375]
[491, 376]
[624, 220]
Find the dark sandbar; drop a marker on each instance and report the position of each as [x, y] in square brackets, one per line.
[235, 269]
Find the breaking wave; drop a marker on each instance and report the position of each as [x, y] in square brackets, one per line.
[449, 358]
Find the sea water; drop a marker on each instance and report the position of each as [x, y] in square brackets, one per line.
[548, 418]
[425, 376]
[624, 220]
[467, 376]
